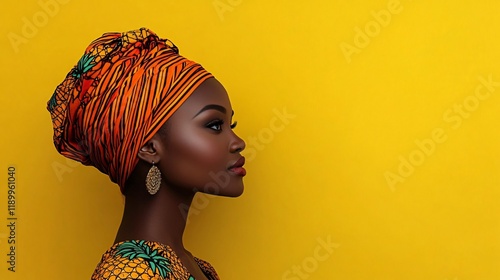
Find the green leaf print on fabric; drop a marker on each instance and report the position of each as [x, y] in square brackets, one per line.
[139, 249]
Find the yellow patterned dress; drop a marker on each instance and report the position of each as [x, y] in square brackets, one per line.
[139, 259]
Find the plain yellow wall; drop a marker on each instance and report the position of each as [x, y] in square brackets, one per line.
[371, 126]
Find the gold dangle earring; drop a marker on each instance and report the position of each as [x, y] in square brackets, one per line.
[153, 179]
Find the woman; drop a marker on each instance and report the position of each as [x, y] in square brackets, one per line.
[161, 127]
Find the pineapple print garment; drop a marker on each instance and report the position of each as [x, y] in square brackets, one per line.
[120, 93]
[139, 259]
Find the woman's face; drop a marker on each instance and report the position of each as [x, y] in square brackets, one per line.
[201, 152]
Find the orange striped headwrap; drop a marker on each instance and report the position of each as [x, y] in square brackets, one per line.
[123, 89]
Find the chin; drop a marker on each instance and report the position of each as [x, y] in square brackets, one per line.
[233, 191]
[229, 191]
[233, 194]
[224, 184]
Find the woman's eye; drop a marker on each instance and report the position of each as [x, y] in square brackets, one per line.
[217, 125]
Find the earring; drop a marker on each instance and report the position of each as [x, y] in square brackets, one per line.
[153, 179]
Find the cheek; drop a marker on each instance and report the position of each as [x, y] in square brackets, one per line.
[193, 155]
[201, 148]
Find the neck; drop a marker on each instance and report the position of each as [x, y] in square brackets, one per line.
[160, 217]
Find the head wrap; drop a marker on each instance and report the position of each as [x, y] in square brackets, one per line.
[123, 89]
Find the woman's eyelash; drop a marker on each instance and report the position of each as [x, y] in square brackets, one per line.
[220, 123]
[215, 122]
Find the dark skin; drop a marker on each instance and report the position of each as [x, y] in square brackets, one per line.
[196, 145]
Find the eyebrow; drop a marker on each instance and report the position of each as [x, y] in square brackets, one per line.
[213, 107]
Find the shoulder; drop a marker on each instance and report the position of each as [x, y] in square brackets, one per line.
[207, 269]
[139, 259]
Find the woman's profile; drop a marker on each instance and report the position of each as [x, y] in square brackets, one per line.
[160, 126]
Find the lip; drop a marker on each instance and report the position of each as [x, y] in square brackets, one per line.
[239, 163]
[237, 167]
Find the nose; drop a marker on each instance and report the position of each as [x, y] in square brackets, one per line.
[237, 144]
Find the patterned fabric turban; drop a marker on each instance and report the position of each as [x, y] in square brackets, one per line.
[123, 89]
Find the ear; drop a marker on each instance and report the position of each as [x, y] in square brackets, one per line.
[152, 150]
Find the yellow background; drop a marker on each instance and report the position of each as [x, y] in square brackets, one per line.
[318, 176]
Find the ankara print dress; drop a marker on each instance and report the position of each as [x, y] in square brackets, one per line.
[139, 259]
